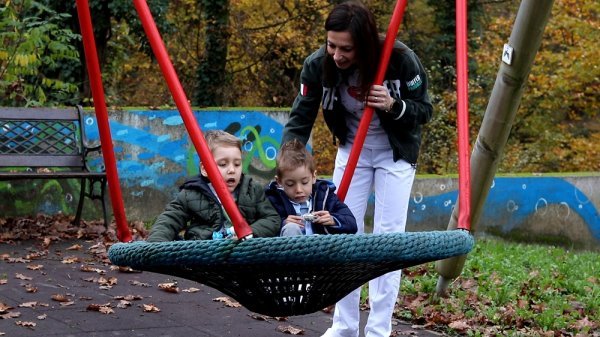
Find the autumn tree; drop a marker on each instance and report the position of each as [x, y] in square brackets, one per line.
[556, 128]
[34, 46]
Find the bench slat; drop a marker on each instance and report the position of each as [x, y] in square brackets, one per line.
[49, 175]
[9, 160]
[39, 114]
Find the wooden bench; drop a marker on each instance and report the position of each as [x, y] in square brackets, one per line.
[50, 143]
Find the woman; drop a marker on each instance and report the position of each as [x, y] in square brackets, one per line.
[338, 77]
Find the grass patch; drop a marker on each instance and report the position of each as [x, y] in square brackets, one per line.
[509, 289]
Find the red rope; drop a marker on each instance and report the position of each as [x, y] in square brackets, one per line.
[464, 168]
[240, 225]
[365, 120]
[93, 67]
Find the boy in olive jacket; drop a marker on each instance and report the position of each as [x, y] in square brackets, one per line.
[198, 204]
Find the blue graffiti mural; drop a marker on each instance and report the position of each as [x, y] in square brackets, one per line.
[155, 150]
[512, 200]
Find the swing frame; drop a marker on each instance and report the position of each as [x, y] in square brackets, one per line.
[280, 276]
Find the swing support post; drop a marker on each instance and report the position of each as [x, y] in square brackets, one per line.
[241, 227]
[365, 120]
[108, 154]
[502, 107]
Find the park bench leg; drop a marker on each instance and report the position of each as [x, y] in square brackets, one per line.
[103, 200]
[76, 222]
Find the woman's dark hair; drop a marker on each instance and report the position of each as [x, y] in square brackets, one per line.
[357, 19]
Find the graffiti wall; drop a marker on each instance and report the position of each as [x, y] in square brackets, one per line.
[549, 209]
[154, 156]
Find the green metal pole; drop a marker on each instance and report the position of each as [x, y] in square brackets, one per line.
[517, 59]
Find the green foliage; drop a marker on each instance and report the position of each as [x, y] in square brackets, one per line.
[511, 289]
[33, 46]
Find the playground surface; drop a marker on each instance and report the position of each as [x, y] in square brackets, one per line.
[68, 288]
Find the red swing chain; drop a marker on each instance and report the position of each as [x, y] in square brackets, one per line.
[464, 221]
[108, 154]
[365, 120]
[462, 77]
[241, 227]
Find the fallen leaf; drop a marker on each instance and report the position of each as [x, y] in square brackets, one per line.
[17, 260]
[75, 247]
[259, 317]
[88, 268]
[123, 304]
[91, 279]
[26, 324]
[40, 317]
[36, 255]
[35, 266]
[106, 310]
[30, 288]
[12, 314]
[290, 330]
[28, 304]
[23, 277]
[138, 283]
[66, 304]
[191, 290]
[4, 307]
[460, 325]
[103, 308]
[70, 260]
[3, 281]
[228, 302]
[123, 269]
[150, 308]
[170, 287]
[60, 298]
[584, 323]
[107, 281]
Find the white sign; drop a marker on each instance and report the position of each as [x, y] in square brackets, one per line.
[507, 54]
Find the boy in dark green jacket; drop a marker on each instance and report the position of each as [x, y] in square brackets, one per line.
[197, 202]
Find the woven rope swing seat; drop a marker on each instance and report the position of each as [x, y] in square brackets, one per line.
[287, 276]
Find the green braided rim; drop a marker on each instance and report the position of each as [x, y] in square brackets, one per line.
[409, 247]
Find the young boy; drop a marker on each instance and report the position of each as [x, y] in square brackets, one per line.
[306, 205]
[198, 204]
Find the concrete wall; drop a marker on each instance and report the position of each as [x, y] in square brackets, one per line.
[155, 156]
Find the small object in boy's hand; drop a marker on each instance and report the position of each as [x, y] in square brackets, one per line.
[309, 217]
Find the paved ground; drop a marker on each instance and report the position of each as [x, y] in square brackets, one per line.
[63, 289]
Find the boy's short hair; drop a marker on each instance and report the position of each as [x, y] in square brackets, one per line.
[293, 154]
[218, 138]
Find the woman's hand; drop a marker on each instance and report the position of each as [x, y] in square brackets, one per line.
[379, 98]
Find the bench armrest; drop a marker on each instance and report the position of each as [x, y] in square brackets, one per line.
[89, 149]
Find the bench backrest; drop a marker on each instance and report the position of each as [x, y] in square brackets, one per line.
[41, 137]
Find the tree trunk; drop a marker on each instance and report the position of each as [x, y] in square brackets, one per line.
[211, 79]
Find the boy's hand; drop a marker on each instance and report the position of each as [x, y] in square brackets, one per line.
[324, 218]
[295, 219]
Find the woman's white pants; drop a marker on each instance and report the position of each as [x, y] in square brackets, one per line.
[391, 182]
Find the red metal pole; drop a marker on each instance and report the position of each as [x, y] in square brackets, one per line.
[93, 67]
[242, 230]
[365, 120]
[462, 77]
